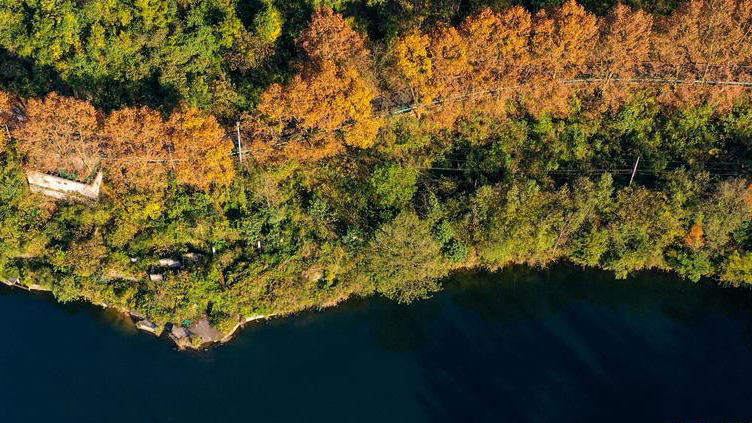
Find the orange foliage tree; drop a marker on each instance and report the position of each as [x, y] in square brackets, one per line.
[327, 105]
[561, 48]
[5, 116]
[706, 41]
[136, 149]
[60, 134]
[498, 47]
[330, 39]
[201, 154]
[624, 52]
[695, 238]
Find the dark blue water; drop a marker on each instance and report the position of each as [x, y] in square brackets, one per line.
[560, 345]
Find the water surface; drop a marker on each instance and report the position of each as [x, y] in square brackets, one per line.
[560, 345]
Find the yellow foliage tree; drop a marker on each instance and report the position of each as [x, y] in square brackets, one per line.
[414, 66]
[201, 153]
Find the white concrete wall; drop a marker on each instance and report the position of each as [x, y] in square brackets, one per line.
[60, 188]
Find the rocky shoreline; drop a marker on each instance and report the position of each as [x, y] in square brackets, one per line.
[194, 336]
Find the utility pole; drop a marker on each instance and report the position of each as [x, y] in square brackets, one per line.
[240, 143]
[634, 171]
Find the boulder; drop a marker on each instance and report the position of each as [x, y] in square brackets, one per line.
[181, 336]
[206, 331]
[148, 326]
[170, 263]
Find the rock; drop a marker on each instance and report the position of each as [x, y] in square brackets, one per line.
[155, 277]
[205, 330]
[181, 336]
[136, 315]
[148, 326]
[170, 263]
[191, 257]
[179, 332]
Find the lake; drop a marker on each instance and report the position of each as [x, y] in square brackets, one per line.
[522, 345]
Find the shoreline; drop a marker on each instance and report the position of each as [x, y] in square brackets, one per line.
[191, 340]
[199, 336]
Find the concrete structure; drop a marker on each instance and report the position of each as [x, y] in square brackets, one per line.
[63, 189]
[11, 281]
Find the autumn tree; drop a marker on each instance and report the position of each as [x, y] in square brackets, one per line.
[498, 49]
[561, 46]
[5, 116]
[623, 52]
[327, 105]
[413, 68]
[329, 38]
[706, 41]
[200, 153]
[695, 238]
[60, 134]
[449, 51]
[136, 149]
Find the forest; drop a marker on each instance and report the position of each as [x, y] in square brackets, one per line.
[303, 152]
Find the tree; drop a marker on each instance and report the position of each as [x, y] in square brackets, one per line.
[414, 68]
[60, 135]
[268, 23]
[738, 269]
[623, 52]
[177, 47]
[5, 116]
[330, 39]
[706, 40]
[498, 47]
[394, 185]
[404, 262]
[136, 148]
[561, 46]
[327, 105]
[251, 48]
[201, 153]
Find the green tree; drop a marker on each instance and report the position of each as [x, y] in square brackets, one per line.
[404, 262]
